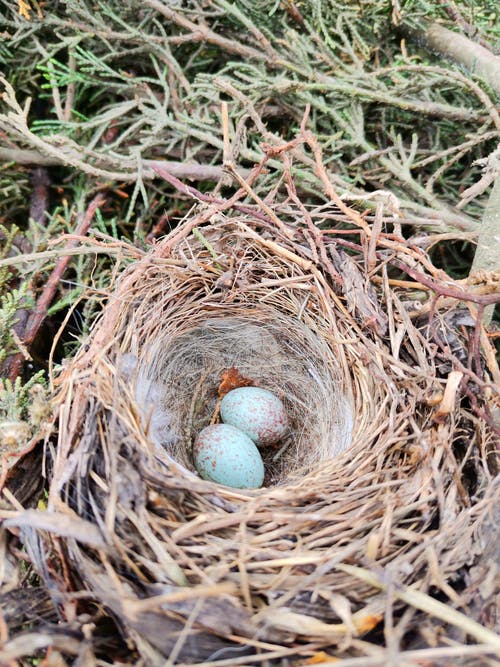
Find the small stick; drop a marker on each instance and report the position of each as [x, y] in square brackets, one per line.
[271, 214]
[215, 416]
[225, 133]
[446, 289]
[218, 205]
[312, 142]
[70, 90]
[40, 312]
[317, 237]
[188, 190]
[371, 259]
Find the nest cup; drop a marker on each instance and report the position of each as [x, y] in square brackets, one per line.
[176, 384]
[260, 320]
[189, 568]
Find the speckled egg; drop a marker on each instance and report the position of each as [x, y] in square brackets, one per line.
[257, 412]
[224, 454]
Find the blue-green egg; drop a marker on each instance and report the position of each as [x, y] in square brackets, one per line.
[257, 412]
[224, 454]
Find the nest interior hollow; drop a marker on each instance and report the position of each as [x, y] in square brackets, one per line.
[176, 385]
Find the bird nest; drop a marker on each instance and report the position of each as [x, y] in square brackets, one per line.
[374, 507]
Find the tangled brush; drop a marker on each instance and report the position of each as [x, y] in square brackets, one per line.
[373, 527]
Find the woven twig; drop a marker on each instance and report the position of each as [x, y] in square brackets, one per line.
[389, 467]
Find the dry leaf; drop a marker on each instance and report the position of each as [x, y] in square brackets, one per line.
[232, 379]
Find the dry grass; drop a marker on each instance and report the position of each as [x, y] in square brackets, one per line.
[346, 550]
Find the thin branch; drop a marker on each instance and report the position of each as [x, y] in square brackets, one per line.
[40, 312]
[189, 170]
[445, 289]
[453, 12]
[202, 33]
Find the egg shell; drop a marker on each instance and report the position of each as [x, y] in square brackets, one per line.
[257, 412]
[224, 454]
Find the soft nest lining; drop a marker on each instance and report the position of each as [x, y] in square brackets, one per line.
[178, 393]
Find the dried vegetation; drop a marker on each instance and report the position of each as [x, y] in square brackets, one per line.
[332, 175]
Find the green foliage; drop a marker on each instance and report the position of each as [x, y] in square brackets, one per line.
[106, 85]
[8, 235]
[330, 55]
[11, 303]
[16, 398]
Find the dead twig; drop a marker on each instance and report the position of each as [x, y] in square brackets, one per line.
[40, 311]
[446, 288]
